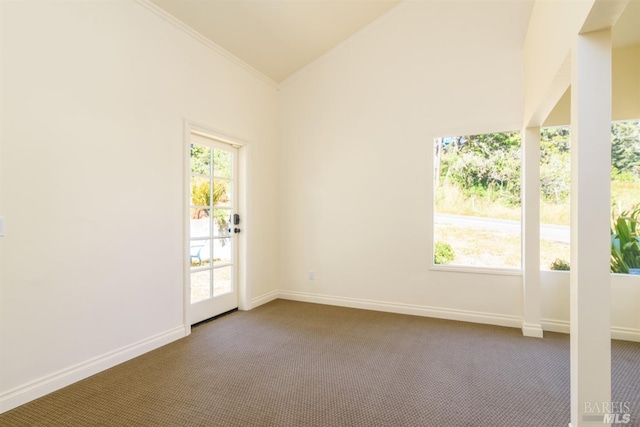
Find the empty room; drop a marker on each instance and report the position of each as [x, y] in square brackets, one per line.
[319, 212]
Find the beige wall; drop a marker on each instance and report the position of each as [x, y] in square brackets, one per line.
[626, 83]
[625, 304]
[94, 95]
[550, 37]
[625, 293]
[356, 135]
[626, 89]
[356, 132]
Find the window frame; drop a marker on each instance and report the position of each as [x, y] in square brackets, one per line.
[469, 269]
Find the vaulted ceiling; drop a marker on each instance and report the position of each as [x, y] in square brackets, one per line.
[279, 37]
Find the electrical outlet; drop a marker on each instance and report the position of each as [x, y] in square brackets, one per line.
[312, 275]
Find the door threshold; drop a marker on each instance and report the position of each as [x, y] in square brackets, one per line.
[214, 318]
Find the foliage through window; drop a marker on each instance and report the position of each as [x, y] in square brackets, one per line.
[477, 199]
[201, 189]
[555, 189]
[625, 197]
[555, 184]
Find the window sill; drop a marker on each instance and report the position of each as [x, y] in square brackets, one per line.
[477, 270]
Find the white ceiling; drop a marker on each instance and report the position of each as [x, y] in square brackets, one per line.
[279, 37]
[276, 37]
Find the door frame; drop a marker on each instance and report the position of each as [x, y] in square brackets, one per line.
[191, 127]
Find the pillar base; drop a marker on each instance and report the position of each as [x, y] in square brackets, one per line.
[532, 330]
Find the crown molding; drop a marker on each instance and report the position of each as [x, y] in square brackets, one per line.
[167, 17]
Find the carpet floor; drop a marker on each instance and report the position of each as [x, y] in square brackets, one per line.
[297, 364]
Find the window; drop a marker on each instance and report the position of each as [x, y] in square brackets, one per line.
[555, 184]
[477, 200]
[555, 188]
[625, 197]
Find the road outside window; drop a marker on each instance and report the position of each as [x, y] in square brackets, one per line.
[477, 200]
[478, 206]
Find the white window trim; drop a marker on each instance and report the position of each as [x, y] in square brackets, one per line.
[466, 269]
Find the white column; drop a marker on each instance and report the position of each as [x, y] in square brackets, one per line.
[590, 216]
[531, 326]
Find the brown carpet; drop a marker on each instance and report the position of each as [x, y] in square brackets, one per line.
[297, 364]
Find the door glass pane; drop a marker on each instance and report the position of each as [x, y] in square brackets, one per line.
[222, 193]
[200, 159]
[200, 191]
[222, 161]
[222, 251]
[200, 286]
[200, 222]
[221, 222]
[211, 240]
[221, 281]
[199, 253]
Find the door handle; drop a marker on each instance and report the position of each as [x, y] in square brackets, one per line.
[235, 219]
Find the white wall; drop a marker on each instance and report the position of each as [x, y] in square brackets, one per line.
[625, 292]
[625, 85]
[356, 134]
[93, 100]
[625, 304]
[94, 95]
[356, 131]
[550, 36]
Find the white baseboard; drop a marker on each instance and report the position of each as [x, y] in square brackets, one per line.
[532, 330]
[263, 299]
[416, 310]
[617, 333]
[553, 325]
[47, 384]
[625, 334]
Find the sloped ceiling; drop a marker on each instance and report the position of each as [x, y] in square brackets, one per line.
[626, 32]
[277, 37]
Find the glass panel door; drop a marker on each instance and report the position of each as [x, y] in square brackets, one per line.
[212, 232]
